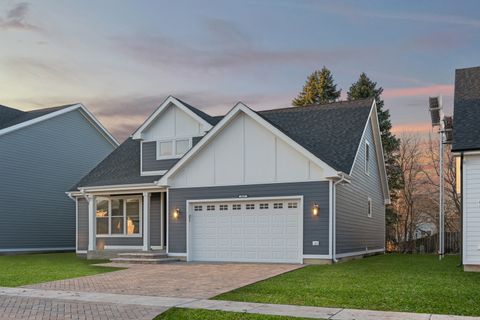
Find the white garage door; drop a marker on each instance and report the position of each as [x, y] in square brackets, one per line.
[246, 231]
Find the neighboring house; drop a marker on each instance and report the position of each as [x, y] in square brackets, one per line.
[466, 145]
[42, 153]
[301, 184]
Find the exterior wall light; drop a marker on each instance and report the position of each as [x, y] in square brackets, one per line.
[176, 213]
[315, 209]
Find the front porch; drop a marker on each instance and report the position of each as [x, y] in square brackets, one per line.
[115, 223]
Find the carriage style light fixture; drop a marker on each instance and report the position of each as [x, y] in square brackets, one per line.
[176, 213]
[315, 209]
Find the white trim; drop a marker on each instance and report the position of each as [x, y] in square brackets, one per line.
[156, 247]
[173, 254]
[167, 214]
[146, 220]
[162, 222]
[38, 249]
[240, 107]
[293, 197]
[369, 207]
[367, 160]
[317, 256]
[466, 153]
[81, 251]
[113, 247]
[464, 216]
[50, 115]
[358, 253]
[330, 218]
[120, 187]
[118, 236]
[153, 173]
[76, 224]
[92, 238]
[124, 213]
[170, 100]
[173, 141]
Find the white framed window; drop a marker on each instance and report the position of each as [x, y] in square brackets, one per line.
[211, 207]
[250, 206]
[263, 205]
[223, 207]
[118, 216]
[367, 157]
[369, 207]
[173, 148]
[197, 208]
[292, 205]
[278, 205]
[236, 207]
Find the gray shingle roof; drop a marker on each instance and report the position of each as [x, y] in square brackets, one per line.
[10, 117]
[466, 114]
[332, 132]
[212, 120]
[122, 166]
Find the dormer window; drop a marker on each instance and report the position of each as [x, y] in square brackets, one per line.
[173, 148]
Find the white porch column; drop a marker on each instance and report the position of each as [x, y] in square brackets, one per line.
[146, 221]
[92, 243]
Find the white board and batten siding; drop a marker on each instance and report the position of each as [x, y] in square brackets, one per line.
[245, 152]
[173, 122]
[471, 208]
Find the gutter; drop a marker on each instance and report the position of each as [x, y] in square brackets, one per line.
[344, 178]
[461, 209]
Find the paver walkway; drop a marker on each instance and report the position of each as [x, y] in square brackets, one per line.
[104, 305]
[192, 280]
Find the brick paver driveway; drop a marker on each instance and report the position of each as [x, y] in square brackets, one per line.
[187, 280]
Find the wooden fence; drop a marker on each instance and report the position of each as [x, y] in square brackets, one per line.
[428, 244]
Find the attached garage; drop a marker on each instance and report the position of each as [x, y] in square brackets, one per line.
[268, 230]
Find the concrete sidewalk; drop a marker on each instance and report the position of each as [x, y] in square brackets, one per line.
[163, 303]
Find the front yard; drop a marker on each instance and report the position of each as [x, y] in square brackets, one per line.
[195, 314]
[19, 270]
[411, 283]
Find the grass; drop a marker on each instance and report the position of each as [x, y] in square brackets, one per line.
[197, 314]
[18, 270]
[411, 283]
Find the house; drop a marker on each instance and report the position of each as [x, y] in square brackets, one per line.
[295, 185]
[466, 145]
[42, 153]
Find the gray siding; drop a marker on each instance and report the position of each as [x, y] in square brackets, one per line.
[149, 158]
[314, 228]
[155, 219]
[82, 224]
[37, 165]
[354, 230]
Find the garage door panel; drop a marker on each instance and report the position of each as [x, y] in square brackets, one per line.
[256, 231]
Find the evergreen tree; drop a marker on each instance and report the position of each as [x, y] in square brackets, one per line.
[366, 88]
[319, 88]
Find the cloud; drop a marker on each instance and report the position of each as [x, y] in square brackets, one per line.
[16, 18]
[433, 90]
[226, 33]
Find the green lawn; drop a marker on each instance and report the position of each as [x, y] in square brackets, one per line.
[413, 283]
[196, 314]
[18, 270]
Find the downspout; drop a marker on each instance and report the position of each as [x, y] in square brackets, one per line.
[334, 215]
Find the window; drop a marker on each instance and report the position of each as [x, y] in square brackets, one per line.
[369, 208]
[237, 207]
[250, 206]
[118, 216]
[367, 157]
[223, 207]
[263, 205]
[278, 205]
[198, 208]
[292, 205]
[174, 148]
[210, 208]
[181, 146]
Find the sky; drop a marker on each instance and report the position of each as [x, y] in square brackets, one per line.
[121, 58]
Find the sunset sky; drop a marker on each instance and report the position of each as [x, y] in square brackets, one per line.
[122, 58]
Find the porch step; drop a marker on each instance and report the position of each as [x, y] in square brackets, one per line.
[142, 255]
[144, 260]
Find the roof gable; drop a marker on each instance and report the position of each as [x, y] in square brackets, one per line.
[204, 119]
[466, 114]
